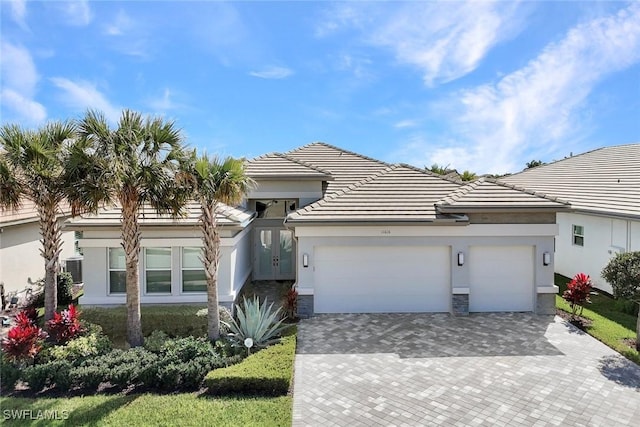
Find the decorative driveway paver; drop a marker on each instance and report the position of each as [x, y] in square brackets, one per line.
[434, 369]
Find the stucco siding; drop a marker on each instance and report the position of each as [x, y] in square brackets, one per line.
[603, 238]
[233, 269]
[20, 258]
[429, 236]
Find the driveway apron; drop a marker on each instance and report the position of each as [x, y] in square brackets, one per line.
[508, 369]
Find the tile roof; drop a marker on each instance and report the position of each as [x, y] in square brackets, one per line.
[487, 194]
[397, 193]
[346, 167]
[603, 181]
[281, 166]
[227, 216]
[27, 212]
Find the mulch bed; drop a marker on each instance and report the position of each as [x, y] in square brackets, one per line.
[631, 342]
[579, 322]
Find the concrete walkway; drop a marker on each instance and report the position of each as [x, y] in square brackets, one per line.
[434, 369]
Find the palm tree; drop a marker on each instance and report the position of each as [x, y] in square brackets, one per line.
[32, 168]
[217, 182]
[138, 163]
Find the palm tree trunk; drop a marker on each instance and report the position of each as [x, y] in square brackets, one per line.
[211, 241]
[638, 331]
[131, 244]
[50, 251]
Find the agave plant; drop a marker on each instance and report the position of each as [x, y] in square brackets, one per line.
[258, 325]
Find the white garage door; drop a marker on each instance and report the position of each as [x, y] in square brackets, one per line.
[381, 279]
[501, 278]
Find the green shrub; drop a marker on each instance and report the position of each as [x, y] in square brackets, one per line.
[61, 374]
[267, 372]
[90, 376]
[9, 373]
[155, 341]
[81, 348]
[188, 348]
[626, 306]
[38, 376]
[174, 320]
[64, 289]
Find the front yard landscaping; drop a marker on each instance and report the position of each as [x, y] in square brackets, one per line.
[611, 321]
[76, 378]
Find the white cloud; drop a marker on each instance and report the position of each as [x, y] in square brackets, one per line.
[77, 12]
[445, 40]
[272, 72]
[19, 12]
[403, 124]
[121, 25]
[537, 109]
[27, 109]
[82, 95]
[164, 102]
[19, 84]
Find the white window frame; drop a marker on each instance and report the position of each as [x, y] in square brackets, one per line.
[183, 269]
[575, 234]
[147, 269]
[109, 270]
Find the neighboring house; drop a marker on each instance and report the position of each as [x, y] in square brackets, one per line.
[356, 234]
[603, 187]
[20, 259]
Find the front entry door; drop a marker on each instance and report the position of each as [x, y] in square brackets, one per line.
[274, 254]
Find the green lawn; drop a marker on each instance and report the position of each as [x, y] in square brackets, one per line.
[187, 409]
[609, 324]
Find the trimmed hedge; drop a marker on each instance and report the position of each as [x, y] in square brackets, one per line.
[175, 320]
[266, 373]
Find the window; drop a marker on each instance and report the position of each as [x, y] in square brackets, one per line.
[117, 271]
[578, 235]
[193, 276]
[275, 208]
[77, 235]
[158, 270]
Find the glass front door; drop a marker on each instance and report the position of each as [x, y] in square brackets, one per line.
[274, 254]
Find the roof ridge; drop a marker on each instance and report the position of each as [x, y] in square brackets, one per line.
[303, 163]
[435, 175]
[362, 156]
[348, 189]
[527, 191]
[461, 191]
[573, 157]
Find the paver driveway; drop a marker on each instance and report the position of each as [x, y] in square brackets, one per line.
[433, 369]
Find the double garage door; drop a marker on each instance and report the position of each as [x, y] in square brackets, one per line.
[404, 279]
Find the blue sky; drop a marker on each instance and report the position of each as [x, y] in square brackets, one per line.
[476, 85]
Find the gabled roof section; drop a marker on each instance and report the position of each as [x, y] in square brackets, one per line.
[488, 195]
[110, 217]
[280, 166]
[346, 167]
[398, 193]
[605, 181]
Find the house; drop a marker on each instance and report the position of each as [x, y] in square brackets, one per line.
[20, 259]
[354, 233]
[603, 187]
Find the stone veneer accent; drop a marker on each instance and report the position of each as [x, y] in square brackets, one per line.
[460, 304]
[305, 306]
[546, 304]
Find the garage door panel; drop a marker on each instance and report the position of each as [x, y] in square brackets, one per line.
[502, 278]
[381, 279]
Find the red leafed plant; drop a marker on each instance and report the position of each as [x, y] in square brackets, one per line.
[65, 325]
[290, 303]
[577, 293]
[24, 340]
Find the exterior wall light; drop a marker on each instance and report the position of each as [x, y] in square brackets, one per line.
[460, 258]
[546, 258]
[305, 260]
